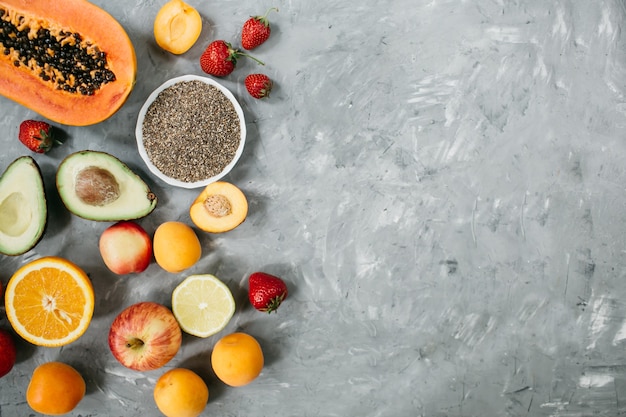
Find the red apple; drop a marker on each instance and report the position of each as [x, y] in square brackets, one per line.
[145, 336]
[126, 248]
[7, 352]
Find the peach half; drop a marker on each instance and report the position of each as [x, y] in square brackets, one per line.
[220, 207]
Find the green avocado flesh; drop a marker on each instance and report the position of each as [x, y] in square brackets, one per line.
[23, 209]
[97, 186]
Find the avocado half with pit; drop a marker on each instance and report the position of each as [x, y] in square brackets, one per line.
[23, 207]
[97, 186]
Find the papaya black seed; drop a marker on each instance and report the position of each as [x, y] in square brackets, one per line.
[82, 68]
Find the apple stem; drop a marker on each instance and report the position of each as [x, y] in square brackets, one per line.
[134, 343]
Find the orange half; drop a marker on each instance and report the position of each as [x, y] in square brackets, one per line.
[49, 301]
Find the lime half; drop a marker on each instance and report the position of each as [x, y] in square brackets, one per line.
[203, 305]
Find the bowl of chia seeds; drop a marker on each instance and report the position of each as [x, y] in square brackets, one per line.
[190, 131]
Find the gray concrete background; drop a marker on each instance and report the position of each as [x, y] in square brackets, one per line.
[441, 184]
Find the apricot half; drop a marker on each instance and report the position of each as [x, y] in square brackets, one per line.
[177, 27]
[220, 207]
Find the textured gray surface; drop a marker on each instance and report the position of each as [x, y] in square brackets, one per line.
[441, 184]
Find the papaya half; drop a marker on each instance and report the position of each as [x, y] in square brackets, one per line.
[69, 60]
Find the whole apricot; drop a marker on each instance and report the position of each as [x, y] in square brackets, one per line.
[237, 359]
[181, 393]
[55, 388]
[176, 246]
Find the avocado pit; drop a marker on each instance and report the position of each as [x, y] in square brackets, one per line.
[96, 186]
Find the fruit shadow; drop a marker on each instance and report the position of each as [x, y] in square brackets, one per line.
[206, 36]
[58, 217]
[247, 167]
[201, 364]
[247, 161]
[111, 290]
[24, 350]
[275, 38]
[75, 355]
[257, 209]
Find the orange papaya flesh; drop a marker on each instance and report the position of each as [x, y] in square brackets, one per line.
[69, 60]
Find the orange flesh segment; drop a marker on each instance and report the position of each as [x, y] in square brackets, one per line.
[51, 303]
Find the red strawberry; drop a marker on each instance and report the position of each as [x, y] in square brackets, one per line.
[220, 58]
[256, 30]
[36, 135]
[266, 292]
[258, 85]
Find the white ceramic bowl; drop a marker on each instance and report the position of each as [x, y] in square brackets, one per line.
[139, 133]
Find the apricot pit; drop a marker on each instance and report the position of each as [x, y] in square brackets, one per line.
[220, 207]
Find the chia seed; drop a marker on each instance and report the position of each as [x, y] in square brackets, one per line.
[191, 131]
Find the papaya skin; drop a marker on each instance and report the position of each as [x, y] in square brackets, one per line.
[98, 26]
